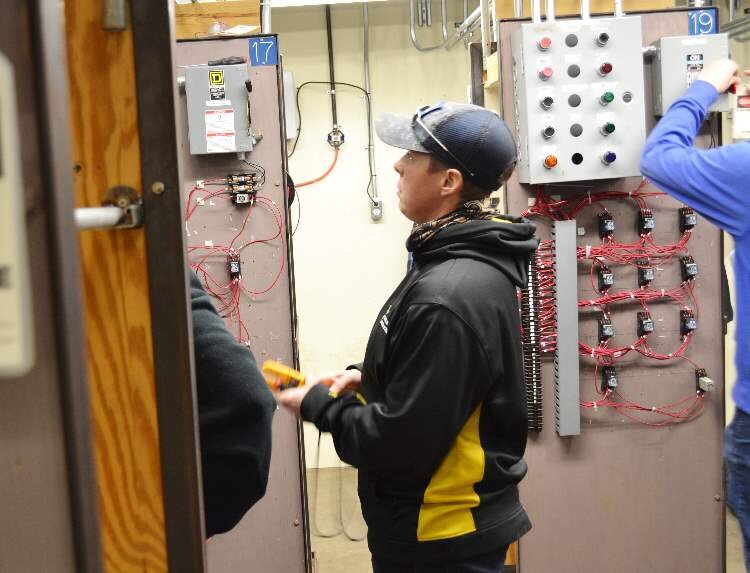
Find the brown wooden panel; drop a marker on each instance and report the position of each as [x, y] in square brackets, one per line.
[505, 9]
[120, 361]
[194, 20]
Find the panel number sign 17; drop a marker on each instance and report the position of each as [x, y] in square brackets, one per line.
[264, 51]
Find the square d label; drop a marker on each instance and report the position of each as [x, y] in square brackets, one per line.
[216, 77]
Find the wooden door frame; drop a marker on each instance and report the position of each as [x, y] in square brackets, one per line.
[153, 35]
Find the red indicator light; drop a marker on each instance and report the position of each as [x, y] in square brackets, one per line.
[605, 68]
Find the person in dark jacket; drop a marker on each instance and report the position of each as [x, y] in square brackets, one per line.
[235, 409]
[435, 416]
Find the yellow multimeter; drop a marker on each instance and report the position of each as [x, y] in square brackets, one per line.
[281, 377]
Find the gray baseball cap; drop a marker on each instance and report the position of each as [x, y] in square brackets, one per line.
[470, 138]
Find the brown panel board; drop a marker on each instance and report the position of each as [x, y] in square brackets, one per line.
[106, 153]
[271, 536]
[623, 497]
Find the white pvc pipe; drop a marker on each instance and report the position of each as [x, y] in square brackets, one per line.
[618, 9]
[98, 217]
[536, 9]
[585, 10]
[550, 11]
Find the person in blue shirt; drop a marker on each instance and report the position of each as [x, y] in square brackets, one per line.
[714, 182]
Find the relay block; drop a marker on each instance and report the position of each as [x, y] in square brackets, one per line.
[218, 109]
[579, 99]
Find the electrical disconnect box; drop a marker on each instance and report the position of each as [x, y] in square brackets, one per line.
[218, 105]
[579, 99]
[677, 62]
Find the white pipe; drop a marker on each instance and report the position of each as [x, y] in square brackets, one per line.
[536, 9]
[518, 8]
[550, 16]
[618, 9]
[585, 10]
[265, 17]
[465, 27]
[98, 217]
[370, 142]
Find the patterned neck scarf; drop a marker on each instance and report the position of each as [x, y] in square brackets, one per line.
[470, 211]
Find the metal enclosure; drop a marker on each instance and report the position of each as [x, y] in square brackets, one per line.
[580, 65]
[677, 62]
[218, 111]
[49, 520]
[641, 499]
[273, 535]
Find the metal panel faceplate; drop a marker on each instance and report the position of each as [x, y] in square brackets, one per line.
[218, 112]
[593, 127]
[16, 320]
[677, 63]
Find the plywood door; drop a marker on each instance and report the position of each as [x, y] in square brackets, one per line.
[115, 283]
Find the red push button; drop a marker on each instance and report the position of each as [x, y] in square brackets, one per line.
[605, 68]
[544, 43]
[546, 73]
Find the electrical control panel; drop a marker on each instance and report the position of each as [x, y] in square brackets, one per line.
[579, 99]
[677, 62]
[218, 105]
[16, 334]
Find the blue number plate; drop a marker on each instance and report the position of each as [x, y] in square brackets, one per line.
[264, 51]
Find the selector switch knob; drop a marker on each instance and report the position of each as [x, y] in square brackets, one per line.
[546, 102]
[602, 38]
[548, 132]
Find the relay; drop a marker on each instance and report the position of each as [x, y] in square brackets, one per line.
[606, 329]
[688, 322]
[645, 272]
[606, 278]
[646, 222]
[688, 267]
[234, 265]
[606, 225]
[688, 219]
[609, 379]
[645, 324]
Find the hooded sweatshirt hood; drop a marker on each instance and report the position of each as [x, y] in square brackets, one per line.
[505, 243]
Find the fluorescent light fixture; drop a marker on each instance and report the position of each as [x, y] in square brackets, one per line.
[296, 3]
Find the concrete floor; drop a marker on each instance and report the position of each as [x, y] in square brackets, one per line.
[335, 501]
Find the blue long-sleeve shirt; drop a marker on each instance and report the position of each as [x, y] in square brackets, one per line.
[714, 182]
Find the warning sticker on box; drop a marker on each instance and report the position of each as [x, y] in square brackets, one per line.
[220, 131]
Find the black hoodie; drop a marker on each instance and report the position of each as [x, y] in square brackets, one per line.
[438, 430]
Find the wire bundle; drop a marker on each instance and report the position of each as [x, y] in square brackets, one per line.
[638, 254]
[228, 291]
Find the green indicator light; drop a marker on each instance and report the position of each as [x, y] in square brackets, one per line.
[607, 97]
[608, 128]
